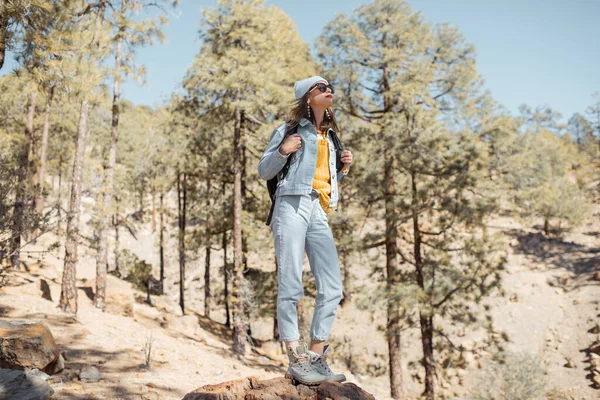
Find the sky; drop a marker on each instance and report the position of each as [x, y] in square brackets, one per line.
[538, 52]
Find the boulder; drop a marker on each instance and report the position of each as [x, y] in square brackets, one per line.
[45, 289]
[231, 390]
[89, 373]
[251, 388]
[119, 296]
[271, 349]
[595, 347]
[29, 385]
[28, 345]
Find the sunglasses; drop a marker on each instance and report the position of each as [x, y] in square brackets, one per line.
[323, 88]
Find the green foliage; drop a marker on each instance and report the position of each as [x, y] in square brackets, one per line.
[404, 88]
[544, 184]
[518, 376]
[134, 269]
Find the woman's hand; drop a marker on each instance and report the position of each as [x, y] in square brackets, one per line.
[291, 144]
[346, 158]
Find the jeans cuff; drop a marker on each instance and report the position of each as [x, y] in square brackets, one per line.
[289, 340]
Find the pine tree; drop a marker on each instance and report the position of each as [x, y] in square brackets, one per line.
[413, 96]
[15, 15]
[86, 69]
[128, 34]
[543, 184]
[243, 75]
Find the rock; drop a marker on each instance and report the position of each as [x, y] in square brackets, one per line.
[45, 288]
[595, 347]
[338, 391]
[595, 330]
[596, 276]
[232, 390]
[150, 396]
[278, 388]
[24, 385]
[564, 279]
[27, 345]
[514, 298]
[89, 373]
[596, 379]
[569, 363]
[251, 388]
[57, 366]
[38, 373]
[594, 360]
[271, 349]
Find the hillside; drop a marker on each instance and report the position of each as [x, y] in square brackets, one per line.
[550, 304]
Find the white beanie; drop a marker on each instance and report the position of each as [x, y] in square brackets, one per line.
[302, 86]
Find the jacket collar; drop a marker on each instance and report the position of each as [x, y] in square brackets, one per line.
[304, 121]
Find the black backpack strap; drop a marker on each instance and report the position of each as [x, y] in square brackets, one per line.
[272, 183]
[338, 150]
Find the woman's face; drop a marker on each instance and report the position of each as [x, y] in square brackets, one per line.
[320, 99]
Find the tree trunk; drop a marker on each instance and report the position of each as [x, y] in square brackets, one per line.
[346, 290]
[226, 276]
[391, 266]
[275, 322]
[237, 300]
[426, 320]
[59, 197]
[244, 238]
[153, 193]
[546, 226]
[68, 294]
[141, 193]
[345, 254]
[3, 37]
[105, 205]
[162, 243]
[116, 251]
[207, 235]
[39, 198]
[181, 206]
[22, 186]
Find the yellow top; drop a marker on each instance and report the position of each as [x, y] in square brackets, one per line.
[321, 181]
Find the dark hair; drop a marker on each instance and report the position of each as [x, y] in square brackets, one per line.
[299, 109]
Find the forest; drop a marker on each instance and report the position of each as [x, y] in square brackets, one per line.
[436, 158]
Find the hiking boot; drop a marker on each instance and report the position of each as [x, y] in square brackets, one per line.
[300, 369]
[319, 364]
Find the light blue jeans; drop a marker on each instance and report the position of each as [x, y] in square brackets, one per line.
[300, 224]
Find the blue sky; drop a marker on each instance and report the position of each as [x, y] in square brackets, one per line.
[538, 52]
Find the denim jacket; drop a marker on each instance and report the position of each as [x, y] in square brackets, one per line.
[301, 172]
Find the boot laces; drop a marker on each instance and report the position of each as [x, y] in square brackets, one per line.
[322, 360]
[303, 361]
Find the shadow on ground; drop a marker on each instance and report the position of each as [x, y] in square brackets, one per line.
[582, 261]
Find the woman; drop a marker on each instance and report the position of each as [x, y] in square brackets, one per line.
[304, 197]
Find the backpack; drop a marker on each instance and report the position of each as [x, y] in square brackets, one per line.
[272, 183]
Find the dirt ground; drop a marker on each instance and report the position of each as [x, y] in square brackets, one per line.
[550, 304]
